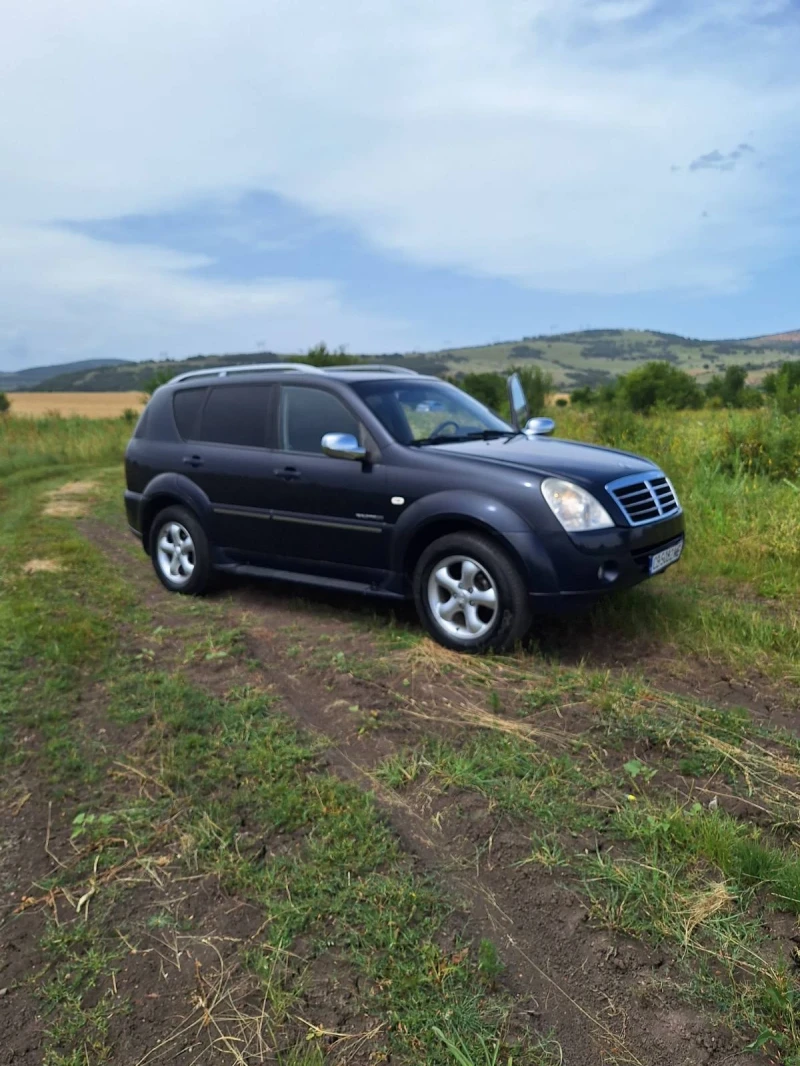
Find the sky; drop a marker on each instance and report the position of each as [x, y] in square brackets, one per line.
[392, 175]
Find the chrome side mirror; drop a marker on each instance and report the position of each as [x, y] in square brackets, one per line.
[343, 446]
[539, 427]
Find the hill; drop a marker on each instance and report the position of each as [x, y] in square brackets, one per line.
[25, 380]
[589, 357]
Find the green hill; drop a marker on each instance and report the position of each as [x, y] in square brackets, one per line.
[25, 380]
[589, 357]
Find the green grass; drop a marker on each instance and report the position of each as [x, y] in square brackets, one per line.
[52, 442]
[233, 789]
[214, 763]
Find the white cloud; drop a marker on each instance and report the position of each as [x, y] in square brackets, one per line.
[65, 296]
[525, 139]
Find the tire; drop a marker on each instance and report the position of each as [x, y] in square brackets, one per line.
[482, 597]
[180, 528]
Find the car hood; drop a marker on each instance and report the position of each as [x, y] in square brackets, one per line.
[584, 463]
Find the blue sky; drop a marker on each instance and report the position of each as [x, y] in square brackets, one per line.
[393, 177]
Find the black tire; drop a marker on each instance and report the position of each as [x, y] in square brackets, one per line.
[511, 618]
[188, 582]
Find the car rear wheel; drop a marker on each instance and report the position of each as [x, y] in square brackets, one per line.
[469, 594]
[180, 552]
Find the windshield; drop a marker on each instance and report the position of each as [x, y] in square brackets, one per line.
[429, 412]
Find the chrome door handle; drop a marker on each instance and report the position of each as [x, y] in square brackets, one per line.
[193, 460]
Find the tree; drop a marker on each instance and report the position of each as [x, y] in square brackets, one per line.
[731, 389]
[5, 403]
[659, 385]
[488, 388]
[157, 379]
[583, 396]
[321, 355]
[784, 387]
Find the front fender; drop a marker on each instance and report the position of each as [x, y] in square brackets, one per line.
[476, 511]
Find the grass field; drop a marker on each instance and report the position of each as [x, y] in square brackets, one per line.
[69, 404]
[271, 827]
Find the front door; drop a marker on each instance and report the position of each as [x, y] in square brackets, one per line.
[330, 515]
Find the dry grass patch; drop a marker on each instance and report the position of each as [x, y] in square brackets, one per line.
[71, 500]
[42, 566]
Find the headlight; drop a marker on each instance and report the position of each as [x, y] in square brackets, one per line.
[575, 508]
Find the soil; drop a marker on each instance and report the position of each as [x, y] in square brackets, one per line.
[606, 998]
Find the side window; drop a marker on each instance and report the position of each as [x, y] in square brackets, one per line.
[236, 414]
[307, 414]
[187, 405]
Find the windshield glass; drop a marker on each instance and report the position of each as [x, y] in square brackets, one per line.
[429, 412]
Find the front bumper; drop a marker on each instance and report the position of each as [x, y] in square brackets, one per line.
[587, 565]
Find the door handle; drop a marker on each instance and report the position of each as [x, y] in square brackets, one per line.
[287, 473]
[193, 460]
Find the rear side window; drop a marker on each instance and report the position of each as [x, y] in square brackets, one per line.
[187, 405]
[307, 414]
[236, 414]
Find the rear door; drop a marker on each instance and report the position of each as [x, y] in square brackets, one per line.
[330, 515]
[228, 455]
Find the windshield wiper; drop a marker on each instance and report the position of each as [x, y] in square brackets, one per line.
[479, 434]
[492, 434]
[441, 439]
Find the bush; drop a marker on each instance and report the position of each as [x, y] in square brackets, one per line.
[489, 388]
[659, 385]
[156, 380]
[784, 387]
[5, 403]
[766, 443]
[731, 390]
[583, 396]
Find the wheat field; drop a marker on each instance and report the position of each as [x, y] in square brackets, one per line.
[88, 404]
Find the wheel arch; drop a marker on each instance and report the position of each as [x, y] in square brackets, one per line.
[455, 511]
[168, 491]
[436, 528]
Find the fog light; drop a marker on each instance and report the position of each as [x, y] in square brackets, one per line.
[608, 572]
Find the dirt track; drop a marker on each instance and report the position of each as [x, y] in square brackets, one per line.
[607, 998]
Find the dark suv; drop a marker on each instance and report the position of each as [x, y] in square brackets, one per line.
[381, 481]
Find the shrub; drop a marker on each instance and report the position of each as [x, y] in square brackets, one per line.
[5, 403]
[784, 387]
[731, 390]
[488, 388]
[582, 396]
[659, 385]
[766, 443]
[156, 380]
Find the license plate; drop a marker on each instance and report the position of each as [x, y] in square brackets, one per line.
[666, 557]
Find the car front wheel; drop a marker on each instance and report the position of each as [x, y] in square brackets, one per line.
[469, 594]
[180, 552]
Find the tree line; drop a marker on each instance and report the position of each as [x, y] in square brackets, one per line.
[661, 385]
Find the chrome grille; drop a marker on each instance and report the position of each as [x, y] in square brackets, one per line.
[644, 499]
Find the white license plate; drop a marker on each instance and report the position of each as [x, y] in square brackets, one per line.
[661, 560]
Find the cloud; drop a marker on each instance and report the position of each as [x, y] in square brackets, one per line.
[527, 140]
[717, 160]
[62, 293]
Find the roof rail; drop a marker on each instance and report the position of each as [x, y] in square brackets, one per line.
[248, 368]
[372, 367]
